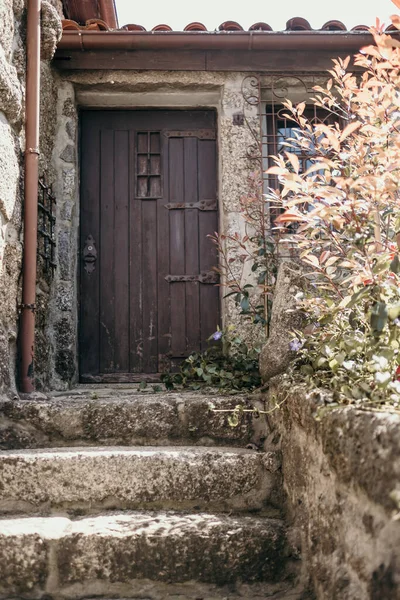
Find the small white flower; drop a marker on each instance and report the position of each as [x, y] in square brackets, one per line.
[395, 385]
[382, 377]
[380, 362]
[350, 365]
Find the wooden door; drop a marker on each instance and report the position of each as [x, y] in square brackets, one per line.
[148, 201]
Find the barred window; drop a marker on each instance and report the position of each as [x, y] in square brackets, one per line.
[278, 128]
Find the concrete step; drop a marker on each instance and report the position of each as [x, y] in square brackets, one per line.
[124, 554]
[180, 478]
[120, 417]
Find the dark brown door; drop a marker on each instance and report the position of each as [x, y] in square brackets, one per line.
[148, 202]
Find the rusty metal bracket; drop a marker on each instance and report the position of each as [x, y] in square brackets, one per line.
[31, 307]
[210, 277]
[201, 134]
[202, 205]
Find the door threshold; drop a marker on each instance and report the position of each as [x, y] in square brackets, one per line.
[121, 378]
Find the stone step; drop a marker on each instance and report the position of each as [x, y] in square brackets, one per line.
[120, 417]
[179, 478]
[196, 591]
[120, 555]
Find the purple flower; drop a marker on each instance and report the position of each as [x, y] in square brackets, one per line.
[295, 345]
[217, 335]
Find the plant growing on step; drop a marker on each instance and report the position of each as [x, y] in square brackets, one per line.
[228, 363]
[347, 211]
[248, 263]
[236, 413]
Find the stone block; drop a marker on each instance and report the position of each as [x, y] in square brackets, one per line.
[170, 547]
[100, 416]
[69, 108]
[342, 476]
[70, 128]
[65, 296]
[68, 181]
[158, 477]
[51, 30]
[65, 364]
[128, 551]
[64, 254]
[24, 555]
[10, 90]
[9, 169]
[68, 154]
[276, 355]
[7, 27]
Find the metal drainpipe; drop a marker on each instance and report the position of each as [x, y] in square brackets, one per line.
[28, 306]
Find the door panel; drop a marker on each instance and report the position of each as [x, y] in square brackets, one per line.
[148, 202]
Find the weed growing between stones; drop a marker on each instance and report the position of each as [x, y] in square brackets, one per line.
[346, 210]
[235, 414]
[228, 364]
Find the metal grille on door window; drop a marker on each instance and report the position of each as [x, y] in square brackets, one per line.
[148, 165]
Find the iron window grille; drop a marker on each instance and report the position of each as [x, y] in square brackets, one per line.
[46, 227]
[270, 124]
[277, 131]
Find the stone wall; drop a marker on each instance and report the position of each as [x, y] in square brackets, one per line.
[12, 77]
[341, 469]
[12, 115]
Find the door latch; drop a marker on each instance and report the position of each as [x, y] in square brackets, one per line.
[89, 255]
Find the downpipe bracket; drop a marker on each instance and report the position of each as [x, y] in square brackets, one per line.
[31, 307]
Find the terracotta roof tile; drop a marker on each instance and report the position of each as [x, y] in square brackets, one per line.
[133, 27]
[162, 27]
[391, 28]
[260, 27]
[230, 26]
[295, 24]
[360, 28]
[334, 26]
[298, 24]
[195, 27]
[97, 24]
[69, 25]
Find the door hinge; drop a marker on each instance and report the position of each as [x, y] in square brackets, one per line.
[202, 134]
[202, 205]
[204, 277]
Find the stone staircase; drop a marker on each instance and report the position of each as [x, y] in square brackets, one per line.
[120, 494]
